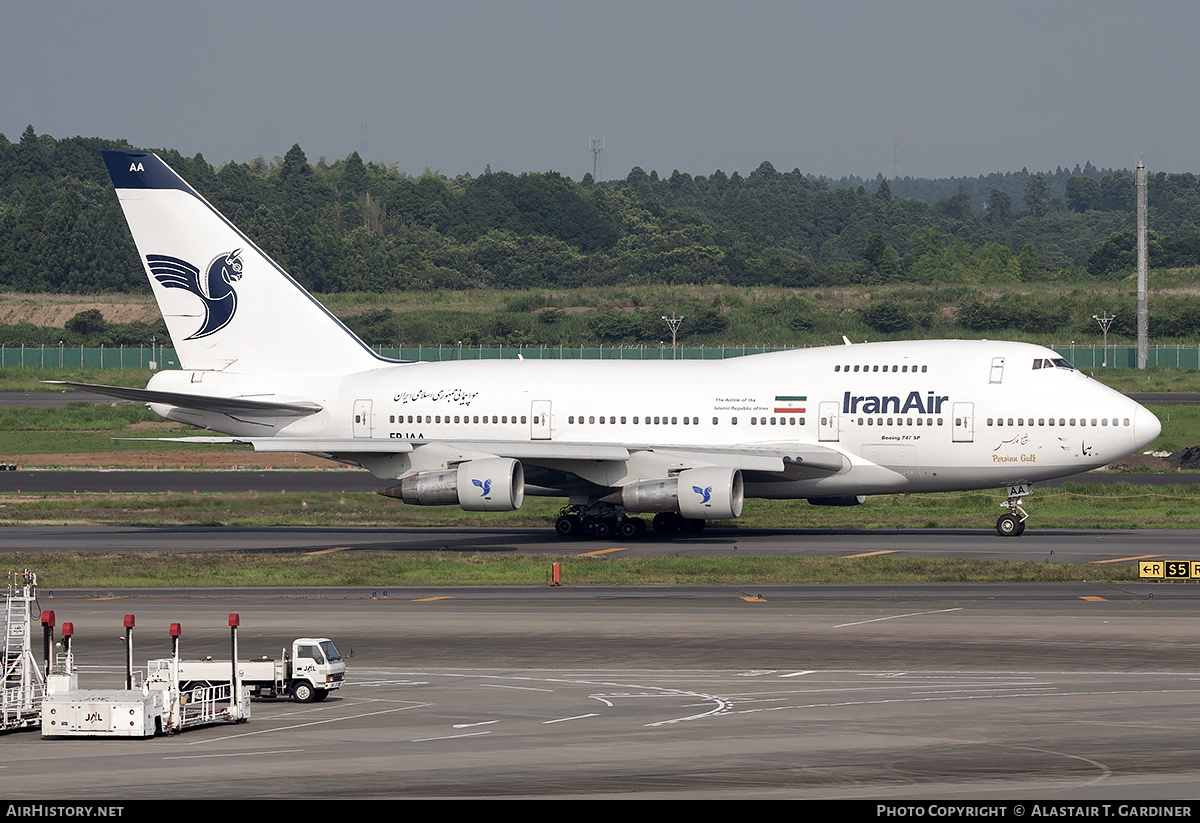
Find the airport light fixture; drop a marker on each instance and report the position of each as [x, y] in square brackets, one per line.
[673, 322]
[1104, 322]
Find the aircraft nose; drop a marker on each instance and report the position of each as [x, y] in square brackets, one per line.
[1146, 427]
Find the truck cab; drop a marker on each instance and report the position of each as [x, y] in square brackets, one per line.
[315, 668]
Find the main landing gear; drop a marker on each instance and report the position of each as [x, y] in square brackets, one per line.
[601, 521]
[1012, 522]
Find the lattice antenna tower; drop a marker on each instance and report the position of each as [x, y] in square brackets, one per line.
[597, 146]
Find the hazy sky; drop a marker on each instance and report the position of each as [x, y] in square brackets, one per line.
[929, 89]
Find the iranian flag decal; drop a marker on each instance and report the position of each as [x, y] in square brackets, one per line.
[789, 404]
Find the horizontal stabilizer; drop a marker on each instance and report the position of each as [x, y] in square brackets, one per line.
[199, 402]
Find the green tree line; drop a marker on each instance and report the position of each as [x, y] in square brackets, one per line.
[347, 225]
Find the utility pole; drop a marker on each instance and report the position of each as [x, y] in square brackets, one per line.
[1143, 322]
[673, 322]
[1105, 322]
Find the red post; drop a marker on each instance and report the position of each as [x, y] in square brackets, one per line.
[129, 651]
[234, 683]
[48, 640]
[557, 574]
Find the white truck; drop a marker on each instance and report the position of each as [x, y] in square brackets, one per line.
[309, 673]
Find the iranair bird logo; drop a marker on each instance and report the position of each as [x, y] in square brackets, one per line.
[486, 485]
[215, 289]
[705, 493]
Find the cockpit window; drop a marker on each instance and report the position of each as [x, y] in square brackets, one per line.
[1056, 363]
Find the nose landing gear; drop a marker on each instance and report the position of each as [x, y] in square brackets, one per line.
[1012, 522]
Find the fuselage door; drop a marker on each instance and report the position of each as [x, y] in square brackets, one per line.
[827, 421]
[997, 373]
[964, 422]
[362, 418]
[539, 420]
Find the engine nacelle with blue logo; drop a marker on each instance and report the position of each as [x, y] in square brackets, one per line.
[706, 493]
[490, 484]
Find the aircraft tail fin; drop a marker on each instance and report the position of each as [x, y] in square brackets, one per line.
[227, 305]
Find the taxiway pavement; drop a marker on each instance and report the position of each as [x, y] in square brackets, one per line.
[1061, 691]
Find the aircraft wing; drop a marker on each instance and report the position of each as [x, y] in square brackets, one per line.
[220, 405]
[790, 461]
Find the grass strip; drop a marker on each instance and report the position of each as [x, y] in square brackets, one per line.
[380, 570]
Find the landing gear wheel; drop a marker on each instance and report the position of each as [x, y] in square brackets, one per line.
[692, 526]
[632, 528]
[666, 523]
[603, 529]
[569, 525]
[1010, 525]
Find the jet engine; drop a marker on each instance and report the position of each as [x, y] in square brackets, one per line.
[490, 484]
[707, 493]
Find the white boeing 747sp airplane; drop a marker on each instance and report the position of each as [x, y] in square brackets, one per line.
[265, 363]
